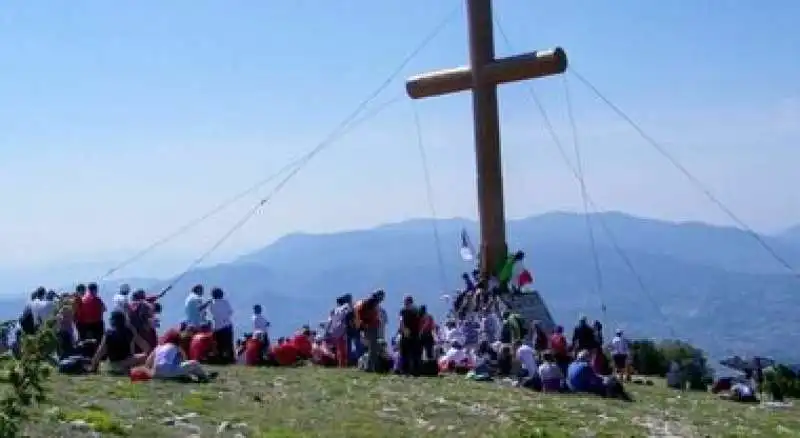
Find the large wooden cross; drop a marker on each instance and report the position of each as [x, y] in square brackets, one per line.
[483, 74]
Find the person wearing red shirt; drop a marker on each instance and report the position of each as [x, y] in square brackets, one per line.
[80, 291]
[426, 338]
[91, 313]
[186, 335]
[254, 350]
[202, 345]
[285, 354]
[302, 343]
[322, 355]
[367, 317]
[558, 345]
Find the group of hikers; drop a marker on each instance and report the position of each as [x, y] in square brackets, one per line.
[482, 338]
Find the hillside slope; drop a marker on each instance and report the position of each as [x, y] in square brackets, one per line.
[313, 402]
[714, 286]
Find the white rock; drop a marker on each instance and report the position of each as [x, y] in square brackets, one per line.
[225, 425]
[189, 426]
[80, 425]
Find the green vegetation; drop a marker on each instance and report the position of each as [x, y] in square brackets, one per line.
[308, 402]
[25, 379]
[311, 402]
[786, 380]
[652, 358]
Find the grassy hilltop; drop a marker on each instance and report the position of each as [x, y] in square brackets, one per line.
[310, 402]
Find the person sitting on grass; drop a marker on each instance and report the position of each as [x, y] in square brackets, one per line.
[456, 360]
[742, 392]
[322, 352]
[254, 349]
[550, 373]
[302, 342]
[582, 379]
[284, 354]
[241, 343]
[119, 345]
[203, 346]
[168, 363]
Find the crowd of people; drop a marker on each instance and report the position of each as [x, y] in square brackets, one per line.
[480, 337]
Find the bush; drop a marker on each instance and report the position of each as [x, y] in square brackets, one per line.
[785, 379]
[652, 358]
[25, 377]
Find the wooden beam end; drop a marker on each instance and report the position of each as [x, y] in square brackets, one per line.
[439, 82]
[560, 59]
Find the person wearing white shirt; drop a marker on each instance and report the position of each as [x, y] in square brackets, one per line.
[120, 299]
[222, 315]
[194, 307]
[260, 324]
[527, 358]
[38, 306]
[550, 373]
[453, 334]
[619, 354]
[455, 357]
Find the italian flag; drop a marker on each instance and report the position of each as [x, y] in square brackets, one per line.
[515, 274]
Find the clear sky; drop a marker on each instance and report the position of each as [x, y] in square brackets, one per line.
[120, 121]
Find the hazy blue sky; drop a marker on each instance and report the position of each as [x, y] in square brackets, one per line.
[120, 121]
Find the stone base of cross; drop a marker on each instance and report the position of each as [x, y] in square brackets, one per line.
[483, 74]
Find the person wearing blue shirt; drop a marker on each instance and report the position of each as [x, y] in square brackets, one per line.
[581, 377]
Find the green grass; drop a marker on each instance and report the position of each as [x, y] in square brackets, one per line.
[310, 402]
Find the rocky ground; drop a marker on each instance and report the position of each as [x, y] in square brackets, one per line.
[308, 402]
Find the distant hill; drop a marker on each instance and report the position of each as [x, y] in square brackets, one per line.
[791, 235]
[714, 286]
[704, 279]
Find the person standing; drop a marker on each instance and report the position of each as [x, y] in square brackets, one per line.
[410, 345]
[92, 311]
[426, 335]
[367, 320]
[194, 307]
[619, 354]
[222, 315]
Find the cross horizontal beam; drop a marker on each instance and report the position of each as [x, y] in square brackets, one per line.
[500, 71]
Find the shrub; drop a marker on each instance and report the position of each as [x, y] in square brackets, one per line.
[25, 377]
[652, 358]
[785, 379]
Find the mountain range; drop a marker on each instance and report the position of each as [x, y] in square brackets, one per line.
[717, 287]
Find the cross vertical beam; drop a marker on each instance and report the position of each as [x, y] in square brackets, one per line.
[486, 127]
[482, 76]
